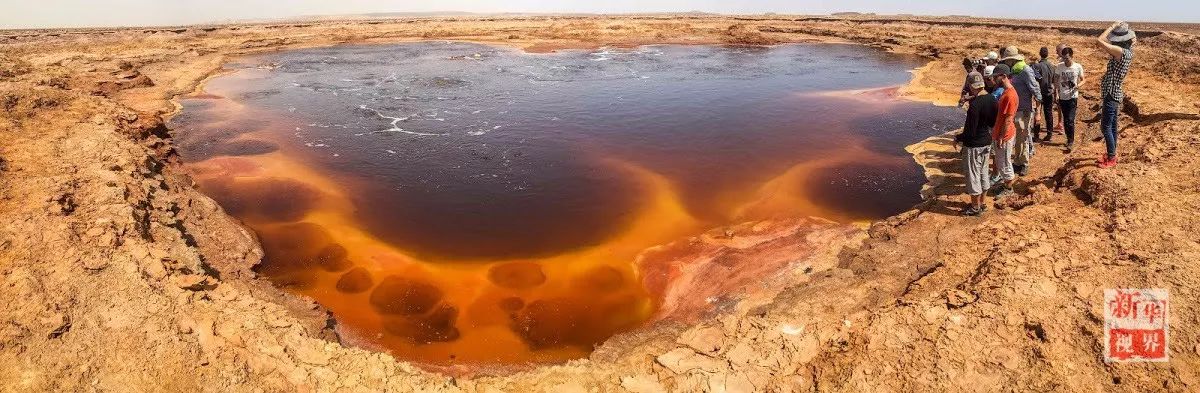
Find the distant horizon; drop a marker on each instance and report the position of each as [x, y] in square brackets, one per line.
[150, 13]
[430, 14]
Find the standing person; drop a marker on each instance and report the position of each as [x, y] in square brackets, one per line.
[976, 139]
[1045, 71]
[996, 91]
[1068, 75]
[1058, 52]
[989, 64]
[990, 83]
[1116, 41]
[965, 94]
[1023, 80]
[1004, 131]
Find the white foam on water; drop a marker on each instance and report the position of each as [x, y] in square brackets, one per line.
[394, 126]
[604, 54]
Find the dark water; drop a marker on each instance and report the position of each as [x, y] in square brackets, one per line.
[461, 154]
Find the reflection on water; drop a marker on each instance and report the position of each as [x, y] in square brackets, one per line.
[462, 204]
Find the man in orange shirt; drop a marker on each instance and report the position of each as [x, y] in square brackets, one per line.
[1004, 130]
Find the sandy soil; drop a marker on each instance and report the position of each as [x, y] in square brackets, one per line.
[118, 275]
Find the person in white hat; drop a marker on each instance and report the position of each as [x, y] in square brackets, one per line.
[990, 84]
[1116, 41]
[989, 64]
[1025, 82]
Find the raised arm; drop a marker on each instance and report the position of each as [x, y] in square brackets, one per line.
[1113, 51]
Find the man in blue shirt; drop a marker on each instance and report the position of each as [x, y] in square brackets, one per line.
[990, 85]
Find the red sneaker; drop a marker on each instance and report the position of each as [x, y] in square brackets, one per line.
[1103, 159]
[1109, 163]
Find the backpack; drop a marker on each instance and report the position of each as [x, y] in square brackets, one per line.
[1043, 71]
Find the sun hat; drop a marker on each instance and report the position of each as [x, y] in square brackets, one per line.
[1011, 53]
[975, 80]
[992, 56]
[987, 71]
[1121, 33]
[1002, 69]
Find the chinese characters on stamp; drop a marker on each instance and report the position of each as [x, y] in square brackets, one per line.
[1135, 325]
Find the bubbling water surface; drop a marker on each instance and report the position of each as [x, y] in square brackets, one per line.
[460, 204]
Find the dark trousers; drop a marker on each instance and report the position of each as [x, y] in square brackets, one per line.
[1048, 113]
[1068, 113]
[1108, 124]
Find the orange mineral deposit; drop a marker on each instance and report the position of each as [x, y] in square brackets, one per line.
[461, 205]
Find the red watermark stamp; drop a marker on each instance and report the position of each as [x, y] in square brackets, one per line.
[1135, 325]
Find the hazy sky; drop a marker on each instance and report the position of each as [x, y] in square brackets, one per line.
[80, 13]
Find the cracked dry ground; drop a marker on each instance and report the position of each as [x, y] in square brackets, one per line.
[117, 275]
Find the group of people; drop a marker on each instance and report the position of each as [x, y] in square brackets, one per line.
[1003, 94]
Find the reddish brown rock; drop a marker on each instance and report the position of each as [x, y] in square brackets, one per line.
[437, 326]
[402, 296]
[332, 258]
[354, 281]
[517, 275]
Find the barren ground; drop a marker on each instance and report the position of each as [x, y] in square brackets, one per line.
[118, 275]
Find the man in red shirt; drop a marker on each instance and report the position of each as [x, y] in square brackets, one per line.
[1004, 130]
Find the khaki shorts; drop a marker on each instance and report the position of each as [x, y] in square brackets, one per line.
[1003, 151]
[1023, 151]
[975, 169]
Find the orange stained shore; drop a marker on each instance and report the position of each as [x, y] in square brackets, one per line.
[455, 314]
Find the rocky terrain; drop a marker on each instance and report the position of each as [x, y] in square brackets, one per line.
[118, 275]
